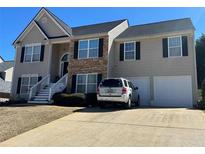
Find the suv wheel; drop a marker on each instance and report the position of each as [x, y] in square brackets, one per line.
[102, 105]
[129, 104]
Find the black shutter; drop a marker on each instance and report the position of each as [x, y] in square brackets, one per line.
[99, 79]
[39, 78]
[122, 52]
[42, 52]
[101, 47]
[165, 47]
[75, 49]
[137, 50]
[22, 54]
[184, 46]
[73, 86]
[18, 86]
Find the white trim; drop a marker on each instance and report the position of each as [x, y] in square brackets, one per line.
[27, 76]
[88, 48]
[130, 51]
[32, 45]
[86, 80]
[60, 62]
[175, 46]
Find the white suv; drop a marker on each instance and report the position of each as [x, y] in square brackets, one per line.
[117, 90]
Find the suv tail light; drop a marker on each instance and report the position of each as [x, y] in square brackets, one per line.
[124, 90]
[98, 91]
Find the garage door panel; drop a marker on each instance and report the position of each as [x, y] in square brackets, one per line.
[143, 83]
[173, 91]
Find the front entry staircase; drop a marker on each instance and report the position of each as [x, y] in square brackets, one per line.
[42, 92]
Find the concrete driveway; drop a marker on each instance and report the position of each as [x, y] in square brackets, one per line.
[136, 127]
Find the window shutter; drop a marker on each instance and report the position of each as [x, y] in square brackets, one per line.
[75, 49]
[184, 46]
[100, 47]
[19, 86]
[165, 47]
[39, 78]
[73, 87]
[99, 79]
[122, 52]
[137, 51]
[22, 54]
[42, 52]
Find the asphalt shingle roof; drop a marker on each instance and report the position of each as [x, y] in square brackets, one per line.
[6, 65]
[157, 28]
[96, 28]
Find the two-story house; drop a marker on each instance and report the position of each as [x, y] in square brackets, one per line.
[159, 58]
[6, 73]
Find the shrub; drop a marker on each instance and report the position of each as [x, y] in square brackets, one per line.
[203, 90]
[201, 105]
[76, 99]
[91, 99]
[66, 99]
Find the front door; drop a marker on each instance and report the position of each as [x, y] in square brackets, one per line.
[65, 68]
[64, 65]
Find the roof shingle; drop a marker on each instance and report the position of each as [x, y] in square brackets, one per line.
[6, 65]
[96, 28]
[157, 28]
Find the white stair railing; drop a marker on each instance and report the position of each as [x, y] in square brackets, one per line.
[39, 85]
[59, 86]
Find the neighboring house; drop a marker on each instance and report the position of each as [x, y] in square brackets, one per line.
[159, 58]
[6, 73]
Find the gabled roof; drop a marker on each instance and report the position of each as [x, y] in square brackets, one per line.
[58, 21]
[96, 28]
[6, 65]
[157, 28]
[61, 22]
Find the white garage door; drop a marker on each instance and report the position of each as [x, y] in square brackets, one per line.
[143, 83]
[173, 91]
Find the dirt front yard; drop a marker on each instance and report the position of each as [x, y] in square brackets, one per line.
[16, 119]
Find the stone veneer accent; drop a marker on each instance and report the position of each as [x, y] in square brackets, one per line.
[98, 65]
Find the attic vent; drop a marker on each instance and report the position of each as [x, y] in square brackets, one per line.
[44, 20]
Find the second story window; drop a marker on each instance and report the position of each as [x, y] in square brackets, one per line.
[129, 51]
[88, 49]
[32, 53]
[175, 46]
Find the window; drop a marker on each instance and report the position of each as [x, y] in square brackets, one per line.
[88, 49]
[86, 83]
[175, 46]
[111, 83]
[28, 81]
[125, 83]
[32, 53]
[129, 50]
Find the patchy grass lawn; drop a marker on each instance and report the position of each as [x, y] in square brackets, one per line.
[16, 119]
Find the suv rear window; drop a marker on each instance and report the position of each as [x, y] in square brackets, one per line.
[111, 83]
